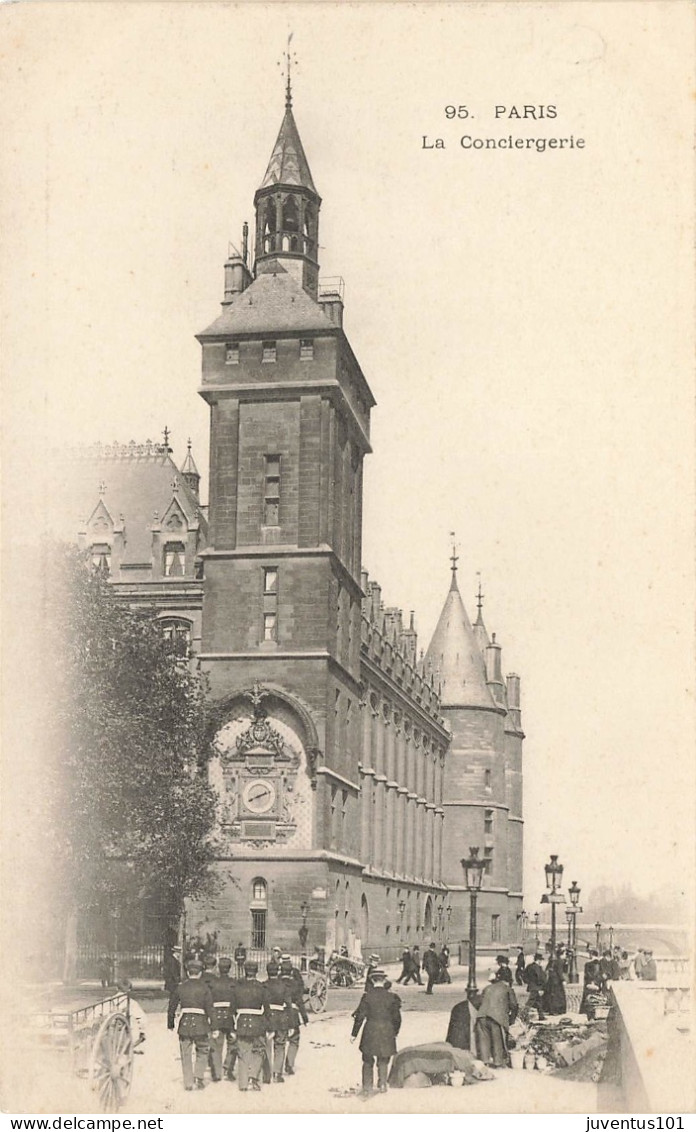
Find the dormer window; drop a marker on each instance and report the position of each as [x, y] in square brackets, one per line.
[232, 353]
[269, 352]
[174, 560]
[101, 558]
[306, 349]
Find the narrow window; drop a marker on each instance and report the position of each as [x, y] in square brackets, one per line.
[232, 353]
[488, 860]
[174, 559]
[271, 502]
[306, 349]
[258, 928]
[487, 821]
[270, 603]
[495, 929]
[487, 779]
[101, 558]
[269, 352]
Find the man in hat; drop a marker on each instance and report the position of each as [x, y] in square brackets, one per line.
[415, 968]
[380, 1011]
[496, 1013]
[252, 1021]
[504, 971]
[372, 965]
[296, 1014]
[535, 978]
[195, 1023]
[172, 968]
[224, 1008]
[520, 964]
[649, 971]
[405, 964]
[431, 966]
[240, 959]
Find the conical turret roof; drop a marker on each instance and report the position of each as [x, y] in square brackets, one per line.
[288, 164]
[455, 654]
[188, 468]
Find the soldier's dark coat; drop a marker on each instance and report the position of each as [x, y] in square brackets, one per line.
[222, 988]
[297, 1009]
[192, 995]
[279, 993]
[253, 1016]
[380, 1010]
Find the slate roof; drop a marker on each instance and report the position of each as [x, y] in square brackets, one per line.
[288, 164]
[273, 303]
[138, 482]
[455, 656]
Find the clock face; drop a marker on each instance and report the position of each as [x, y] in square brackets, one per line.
[259, 796]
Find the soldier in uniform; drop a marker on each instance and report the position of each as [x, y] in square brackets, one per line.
[224, 1004]
[240, 959]
[252, 1022]
[380, 1010]
[372, 965]
[296, 1013]
[195, 1023]
[279, 993]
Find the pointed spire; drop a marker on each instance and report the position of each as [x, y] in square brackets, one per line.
[455, 653]
[288, 164]
[480, 630]
[190, 473]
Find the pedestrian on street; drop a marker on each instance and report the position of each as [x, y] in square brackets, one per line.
[504, 971]
[172, 968]
[240, 955]
[497, 1010]
[520, 966]
[431, 966]
[296, 1015]
[195, 1023]
[405, 964]
[372, 965]
[554, 999]
[380, 1011]
[535, 978]
[252, 1022]
[649, 971]
[414, 968]
[459, 1029]
[105, 968]
[444, 964]
[224, 1009]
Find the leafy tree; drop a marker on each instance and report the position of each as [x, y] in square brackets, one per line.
[132, 809]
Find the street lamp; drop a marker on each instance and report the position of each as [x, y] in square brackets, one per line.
[554, 876]
[611, 938]
[598, 929]
[536, 931]
[303, 932]
[402, 909]
[473, 879]
[440, 914]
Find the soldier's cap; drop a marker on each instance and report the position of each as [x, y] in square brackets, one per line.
[501, 958]
[378, 976]
[374, 959]
[284, 958]
[272, 968]
[176, 947]
[194, 966]
[224, 964]
[251, 967]
[274, 949]
[286, 966]
[209, 962]
[538, 955]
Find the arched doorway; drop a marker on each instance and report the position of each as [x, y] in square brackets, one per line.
[428, 921]
[364, 922]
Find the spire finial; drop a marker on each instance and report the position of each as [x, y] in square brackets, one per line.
[480, 595]
[165, 434]
[188, 444]
[454, 558]
[288, 67]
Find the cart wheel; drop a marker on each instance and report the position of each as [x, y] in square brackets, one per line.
[111, 1062]
[318, 992]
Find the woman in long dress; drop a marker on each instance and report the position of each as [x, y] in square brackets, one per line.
[554, 1000]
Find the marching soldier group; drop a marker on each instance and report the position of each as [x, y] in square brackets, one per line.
[247, 1025]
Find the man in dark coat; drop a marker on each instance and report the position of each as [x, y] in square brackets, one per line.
[224, 1009]
[520, 965]
[431, 966]
[279, 993]
[535, 978]
[444, 964]
[554, 992]
[240, 959]
[414, 968]
[172, 968]
[496, 1012]
[649, 971]
[252, 1022]
[380, 1010]
[195, 1023]
[405, 964]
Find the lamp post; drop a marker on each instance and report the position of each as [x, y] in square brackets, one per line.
[473, 879]
[303, 932]
[598, 930]
[524, 921]
[440, 914]
[536, 931]
[402, 909]
[448, 910]
[554, 876]
[611, 938]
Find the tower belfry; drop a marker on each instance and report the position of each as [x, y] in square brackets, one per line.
[287, 207]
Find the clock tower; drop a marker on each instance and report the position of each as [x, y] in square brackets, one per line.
[281, 622]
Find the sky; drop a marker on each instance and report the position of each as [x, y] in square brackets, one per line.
[524, 320]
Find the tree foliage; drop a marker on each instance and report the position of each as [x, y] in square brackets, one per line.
[133, 809]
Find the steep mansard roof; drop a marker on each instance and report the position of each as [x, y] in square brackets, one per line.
[273, 303]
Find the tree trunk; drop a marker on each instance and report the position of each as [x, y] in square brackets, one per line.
[70, 947]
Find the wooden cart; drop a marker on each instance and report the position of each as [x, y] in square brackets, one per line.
[317, 991]
[96, 1043]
